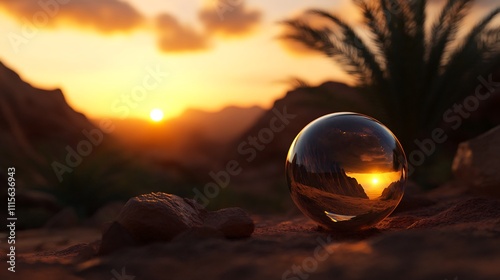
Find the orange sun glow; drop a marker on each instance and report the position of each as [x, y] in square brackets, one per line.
[156, 115]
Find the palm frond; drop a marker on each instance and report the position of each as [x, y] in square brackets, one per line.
[325, 41]
[373, 17]
[469, 55]
[443, 32]
[297, 82]
[353, 43]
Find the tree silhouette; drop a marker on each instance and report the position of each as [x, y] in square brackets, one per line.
[411, 73]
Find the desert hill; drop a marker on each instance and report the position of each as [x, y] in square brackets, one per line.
[35, 124]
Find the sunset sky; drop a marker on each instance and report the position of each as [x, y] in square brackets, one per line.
[215, 53]
[375, 183]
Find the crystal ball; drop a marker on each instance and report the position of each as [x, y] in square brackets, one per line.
[346, 171]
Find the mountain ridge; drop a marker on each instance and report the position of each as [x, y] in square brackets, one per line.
[35, 124]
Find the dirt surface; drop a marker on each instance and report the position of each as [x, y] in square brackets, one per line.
[439, 235]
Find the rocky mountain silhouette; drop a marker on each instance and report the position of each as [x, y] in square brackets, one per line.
[392, 191]
[335, 181]
[35, 124]
[343, 184]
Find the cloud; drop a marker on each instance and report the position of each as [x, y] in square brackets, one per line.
[357, 149]
[105, 16]
[175, 37]
[109, 16]
[229, 19]
[223, 19]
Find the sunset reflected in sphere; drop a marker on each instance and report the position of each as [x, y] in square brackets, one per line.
[346, 171]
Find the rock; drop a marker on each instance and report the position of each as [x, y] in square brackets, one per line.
[115, 238]
[158, 217]
[161, 217]
[66, 218]
[476, 163]
[233, 222]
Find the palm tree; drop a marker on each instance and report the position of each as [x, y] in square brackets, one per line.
[414, 75]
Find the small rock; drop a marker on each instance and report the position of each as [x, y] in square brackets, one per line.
[233, 222]
[158, 217]
[66, 218]
[476, 163]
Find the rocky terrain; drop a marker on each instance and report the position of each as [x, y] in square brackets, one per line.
[452, 232]
[358, 210]
[446, 234]
[334, 182]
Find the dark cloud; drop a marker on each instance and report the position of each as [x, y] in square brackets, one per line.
[175, 37]
[228, 19]
[354, 148]
[102, 15]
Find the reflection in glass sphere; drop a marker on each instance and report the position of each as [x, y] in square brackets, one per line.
[346, 171]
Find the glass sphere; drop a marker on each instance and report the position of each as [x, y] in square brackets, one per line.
[346, 171]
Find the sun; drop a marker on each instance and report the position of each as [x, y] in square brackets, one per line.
[375, 180]
[156, 115]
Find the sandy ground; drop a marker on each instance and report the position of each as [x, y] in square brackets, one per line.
[435, 236]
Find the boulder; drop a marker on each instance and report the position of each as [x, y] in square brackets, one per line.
[158, 217]
[477, 163]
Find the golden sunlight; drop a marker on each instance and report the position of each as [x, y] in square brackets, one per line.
[375, 183]
[156, 115]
